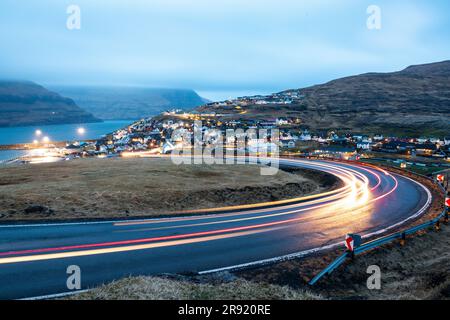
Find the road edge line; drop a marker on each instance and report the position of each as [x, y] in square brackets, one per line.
[56, 295]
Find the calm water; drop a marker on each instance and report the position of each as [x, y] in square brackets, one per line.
[62, 132]
[11, 154]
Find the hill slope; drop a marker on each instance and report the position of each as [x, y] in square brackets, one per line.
[26, 103]
[408, 101]
[415, 101]
[112, 103]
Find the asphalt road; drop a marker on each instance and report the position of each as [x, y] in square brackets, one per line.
[34, 258]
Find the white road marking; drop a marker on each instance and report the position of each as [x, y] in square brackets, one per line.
[56, 295]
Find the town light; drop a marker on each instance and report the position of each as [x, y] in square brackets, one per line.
[35, 141]
[45, 139]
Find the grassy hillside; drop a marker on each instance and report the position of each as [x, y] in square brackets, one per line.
[412, 102]
[119, 187]
[27, 103]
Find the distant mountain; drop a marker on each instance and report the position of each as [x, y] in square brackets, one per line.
[414, 101]
[112, 103]
[25, 103]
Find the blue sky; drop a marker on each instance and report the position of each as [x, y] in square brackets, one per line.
[220, 48]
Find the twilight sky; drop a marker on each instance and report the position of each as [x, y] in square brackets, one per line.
[219, 48]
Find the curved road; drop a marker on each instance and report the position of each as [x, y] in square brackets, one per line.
[34, 258]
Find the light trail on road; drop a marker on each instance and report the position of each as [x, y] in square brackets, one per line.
[368, 201]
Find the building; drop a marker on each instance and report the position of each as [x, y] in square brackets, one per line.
[336, 152]
[290, 144]
[305, 136]
[425, 150]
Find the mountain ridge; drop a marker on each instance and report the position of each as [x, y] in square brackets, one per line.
[410, 102]
[119, 102]
[24, 103]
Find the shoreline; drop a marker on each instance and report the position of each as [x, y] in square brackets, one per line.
[18, 137]
[30, 146]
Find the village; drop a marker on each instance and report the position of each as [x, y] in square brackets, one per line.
[174, 129]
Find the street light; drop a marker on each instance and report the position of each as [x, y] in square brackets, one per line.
[45, 139]
[81, 131]
[38, 132]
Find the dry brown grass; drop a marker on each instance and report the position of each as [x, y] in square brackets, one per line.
[419, 270]
[157, 288]
[96, 188]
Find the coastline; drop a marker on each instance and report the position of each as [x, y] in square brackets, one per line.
[60, 132]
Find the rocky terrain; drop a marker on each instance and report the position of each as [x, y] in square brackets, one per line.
[113, 103]
[27, 103]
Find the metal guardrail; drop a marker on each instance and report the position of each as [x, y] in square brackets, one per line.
[335, 264]
[381, 241]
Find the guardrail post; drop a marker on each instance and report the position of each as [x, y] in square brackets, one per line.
[446, 206]
[437, 226]
[351, 254]
[403, 239]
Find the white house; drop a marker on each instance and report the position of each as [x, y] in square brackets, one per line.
[378, 137]
[280, 122]
[447, 141]
[305, 136]
[288, 144]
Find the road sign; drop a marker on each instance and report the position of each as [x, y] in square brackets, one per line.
[447, 201]
[352, 241]
[440, 178]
